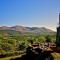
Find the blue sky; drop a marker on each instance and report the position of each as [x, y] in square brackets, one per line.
[35, 13]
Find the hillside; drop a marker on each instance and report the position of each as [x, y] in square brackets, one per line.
[9, 32]
[22, 29]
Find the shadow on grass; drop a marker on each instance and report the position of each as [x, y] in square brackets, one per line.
[35, 54]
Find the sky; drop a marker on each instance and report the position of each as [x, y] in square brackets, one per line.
[30, 13]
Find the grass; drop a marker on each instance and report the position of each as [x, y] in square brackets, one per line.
[56, 56]
[8, 58]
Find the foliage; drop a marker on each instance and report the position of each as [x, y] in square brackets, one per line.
[21, 46]
[48, 38]
[15, 41]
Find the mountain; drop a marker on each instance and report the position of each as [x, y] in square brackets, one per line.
[41, 30]
[22, 29]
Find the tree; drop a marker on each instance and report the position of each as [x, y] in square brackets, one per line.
[48, 38]
[41, 39]
[6, 47]
[30, 41]
[21, 46]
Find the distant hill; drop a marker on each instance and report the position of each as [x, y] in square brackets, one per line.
[9, 32]
[22, 29]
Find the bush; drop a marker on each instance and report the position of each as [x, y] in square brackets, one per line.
[22, 46]
[48, 38]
